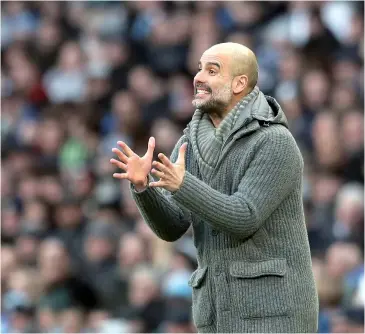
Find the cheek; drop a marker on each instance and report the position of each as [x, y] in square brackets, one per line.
[217, 89]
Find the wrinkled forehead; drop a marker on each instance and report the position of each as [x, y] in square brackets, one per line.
[224, 59]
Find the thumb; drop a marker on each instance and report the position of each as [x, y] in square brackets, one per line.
[151, 147]
[182, 152]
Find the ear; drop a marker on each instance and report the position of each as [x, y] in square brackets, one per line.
[239, 84]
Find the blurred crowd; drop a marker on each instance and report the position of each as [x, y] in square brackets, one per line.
[76, 255]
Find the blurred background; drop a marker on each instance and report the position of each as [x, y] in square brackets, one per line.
[76, 255]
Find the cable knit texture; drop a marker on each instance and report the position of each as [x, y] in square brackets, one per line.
[209, 140]
[242, 195]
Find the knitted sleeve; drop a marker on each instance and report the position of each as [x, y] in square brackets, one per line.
[168, 220]
[275, 170]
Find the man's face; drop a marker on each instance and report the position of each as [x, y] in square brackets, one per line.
[213, 84]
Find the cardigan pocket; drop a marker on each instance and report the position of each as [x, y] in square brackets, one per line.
[202, 306]
[261, 288]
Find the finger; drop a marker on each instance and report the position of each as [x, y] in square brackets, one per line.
[121, 176]
[125, 148]
[151, 147]
[165, 160]
[157, 184]
[122, 157]
[157, 173]
[119, 164]
[160, 166]
[182, 152]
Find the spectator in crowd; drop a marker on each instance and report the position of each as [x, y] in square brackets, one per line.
[78, 76]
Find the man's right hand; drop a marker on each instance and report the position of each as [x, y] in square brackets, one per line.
[136, 168]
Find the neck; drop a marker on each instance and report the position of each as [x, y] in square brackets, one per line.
[217, 118]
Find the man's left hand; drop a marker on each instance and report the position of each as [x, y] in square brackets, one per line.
[171, 175]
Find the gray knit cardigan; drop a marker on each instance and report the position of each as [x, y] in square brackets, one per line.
[242, 195]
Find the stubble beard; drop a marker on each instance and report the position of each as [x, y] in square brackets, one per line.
[217, 102]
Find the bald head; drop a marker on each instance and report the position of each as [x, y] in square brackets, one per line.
[243, 60]
[227, 72]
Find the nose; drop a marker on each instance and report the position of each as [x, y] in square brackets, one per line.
[199, 78]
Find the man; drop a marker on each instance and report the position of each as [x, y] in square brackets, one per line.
[236, 177]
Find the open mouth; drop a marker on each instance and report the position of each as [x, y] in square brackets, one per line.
[201, 92]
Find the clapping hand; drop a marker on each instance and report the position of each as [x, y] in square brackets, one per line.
[171, 175]
[137, 168]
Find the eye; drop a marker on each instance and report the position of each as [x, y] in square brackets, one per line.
[212, 72]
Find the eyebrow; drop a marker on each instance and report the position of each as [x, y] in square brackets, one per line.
[211, 63]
